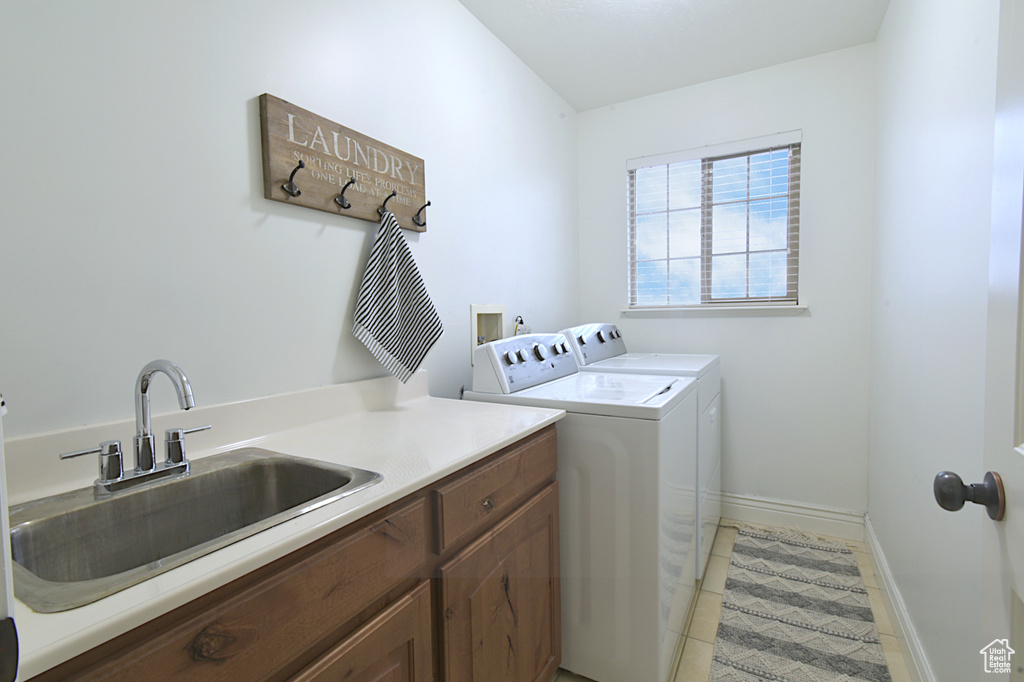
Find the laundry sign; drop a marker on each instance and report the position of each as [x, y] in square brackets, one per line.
[313, 162]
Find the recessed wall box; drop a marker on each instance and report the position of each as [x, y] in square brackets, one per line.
[487, 323]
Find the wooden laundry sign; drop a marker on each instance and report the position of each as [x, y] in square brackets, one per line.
[313, 162]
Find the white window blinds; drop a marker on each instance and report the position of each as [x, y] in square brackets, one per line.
[716, 226]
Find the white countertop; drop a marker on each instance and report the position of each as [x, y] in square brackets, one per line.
[398, 430]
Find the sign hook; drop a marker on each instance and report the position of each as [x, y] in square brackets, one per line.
[290, 185]
[340, 199]
[422, 222]
[384, 206]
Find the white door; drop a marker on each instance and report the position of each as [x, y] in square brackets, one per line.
[8, 632]
[1003, 560]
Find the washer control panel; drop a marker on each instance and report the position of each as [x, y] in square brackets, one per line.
[595, 342]
[518, 362]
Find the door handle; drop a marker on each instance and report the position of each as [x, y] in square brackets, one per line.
[951, 493]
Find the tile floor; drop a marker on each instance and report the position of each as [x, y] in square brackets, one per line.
[699, 646]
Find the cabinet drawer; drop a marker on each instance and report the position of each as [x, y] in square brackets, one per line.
[395, 645]
[262, 629]
[465, 505]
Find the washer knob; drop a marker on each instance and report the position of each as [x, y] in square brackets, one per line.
[521, 354]
[510, 358]
[600, 336]
[539, 351]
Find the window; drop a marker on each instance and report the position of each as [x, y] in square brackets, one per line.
[716, 226]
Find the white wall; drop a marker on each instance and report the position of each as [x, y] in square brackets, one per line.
[132, 219]
[794, 388]
[936, 76]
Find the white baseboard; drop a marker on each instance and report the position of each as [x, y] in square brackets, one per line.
[917, 663]
[840, 523]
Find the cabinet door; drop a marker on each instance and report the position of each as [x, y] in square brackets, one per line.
[393, 647]
[501, 602]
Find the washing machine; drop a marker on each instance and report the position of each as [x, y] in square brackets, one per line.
[599, 347]
[627, 486]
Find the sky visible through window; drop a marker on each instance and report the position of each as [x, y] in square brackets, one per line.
[737, 223]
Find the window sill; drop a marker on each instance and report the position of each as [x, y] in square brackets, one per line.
[717, 311]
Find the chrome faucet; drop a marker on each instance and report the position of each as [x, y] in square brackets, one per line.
[144, 442]
[113, 476]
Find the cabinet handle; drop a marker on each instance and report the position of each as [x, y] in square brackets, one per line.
[488, 504]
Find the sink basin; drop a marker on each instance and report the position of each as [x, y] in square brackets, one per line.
[74, 548]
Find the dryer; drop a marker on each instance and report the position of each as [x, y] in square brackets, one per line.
[627, 486]
[600, 347]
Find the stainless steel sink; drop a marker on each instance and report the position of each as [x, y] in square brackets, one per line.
[75, 548]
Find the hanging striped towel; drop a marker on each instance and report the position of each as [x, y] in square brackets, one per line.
[394, 316]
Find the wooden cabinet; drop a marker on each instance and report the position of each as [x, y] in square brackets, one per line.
[501, 601]
[472, 501]
[397, 596]
[394, 646]
[259, 632]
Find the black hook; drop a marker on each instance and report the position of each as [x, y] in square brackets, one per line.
[422, 222]
[384, 206]
[340, 199]
[290, 185]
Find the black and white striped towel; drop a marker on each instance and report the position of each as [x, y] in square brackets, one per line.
[394, 317]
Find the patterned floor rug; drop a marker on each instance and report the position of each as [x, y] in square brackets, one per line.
[795, 610]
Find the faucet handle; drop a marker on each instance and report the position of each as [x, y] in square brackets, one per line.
[111, 461]
[176, 443]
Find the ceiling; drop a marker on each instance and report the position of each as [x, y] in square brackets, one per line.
[599, 52]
